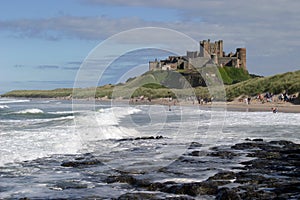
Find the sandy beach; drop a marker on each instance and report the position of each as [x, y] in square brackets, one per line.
[232, 106]
[282, 107]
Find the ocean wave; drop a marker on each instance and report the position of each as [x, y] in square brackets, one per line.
[104, 124]
[34, 121]
[63, 112]
[3, 106]
[30, 111]
[9, 101]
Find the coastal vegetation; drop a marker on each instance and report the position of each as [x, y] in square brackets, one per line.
[161, 84]
[231, 75]
[288, 82]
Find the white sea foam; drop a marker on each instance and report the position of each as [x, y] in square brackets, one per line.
[49, 119]
[24, 145]
[3, 106]
[63, 112]
[104, 124]
[9, 101]
[30, 111]
[56, 138]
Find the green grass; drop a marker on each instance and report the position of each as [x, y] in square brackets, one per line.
[231, 75]
[225, 77]
[153, 86]
[277, 84]
[159, 84]
[64, 92]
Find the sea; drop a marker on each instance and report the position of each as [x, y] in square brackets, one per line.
[37, 136]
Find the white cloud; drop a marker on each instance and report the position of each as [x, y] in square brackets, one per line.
[69, 26]
[269, 28]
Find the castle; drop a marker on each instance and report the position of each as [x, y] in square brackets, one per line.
[210, 53]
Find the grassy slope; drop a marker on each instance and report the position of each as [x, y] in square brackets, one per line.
[64, 92]
[149, 85]
[231, 75]
[289, 81]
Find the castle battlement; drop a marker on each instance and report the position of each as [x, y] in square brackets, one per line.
[209, 51]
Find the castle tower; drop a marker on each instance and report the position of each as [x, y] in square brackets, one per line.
[204, 48]
[207, 48]
[241, 54]
[214, 58]
[220, 49]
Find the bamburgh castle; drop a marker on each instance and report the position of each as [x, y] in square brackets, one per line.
[210, 53]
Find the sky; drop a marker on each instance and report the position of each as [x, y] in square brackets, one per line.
[44, 43]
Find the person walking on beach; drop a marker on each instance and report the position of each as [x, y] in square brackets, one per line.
[274, 110]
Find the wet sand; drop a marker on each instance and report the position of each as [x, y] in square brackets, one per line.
[234, 106]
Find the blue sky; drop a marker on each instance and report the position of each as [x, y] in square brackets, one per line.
[44, 42]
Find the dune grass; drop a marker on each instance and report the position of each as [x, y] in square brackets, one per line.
[153, 85]
[288, 82]
[63, 92]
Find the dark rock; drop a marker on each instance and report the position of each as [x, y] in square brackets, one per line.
[197, 153]
[179, 198]
[257, 140]
[245, 146]
[255, 146]
[142, 138]
[68, 184]
[155, 186]
[250, 193]
[252, 178]
[226, 175]
[227, 194]
[194, 145]
[138, 196]
[84, 163]
[149, 138]
[159, 137]
[254, 140]
[281, 142]
[145, 138]
[125, 178]
[265, 154]
[223, 154]
[80, 158]
[152, 196]
[288, 188]
[193, 189]
[273, 173]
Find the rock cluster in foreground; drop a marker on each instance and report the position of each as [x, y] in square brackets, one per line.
[273, 173]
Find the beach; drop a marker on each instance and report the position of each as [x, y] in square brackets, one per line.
[254, 106]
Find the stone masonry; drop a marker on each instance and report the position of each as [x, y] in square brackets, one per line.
[209, 53]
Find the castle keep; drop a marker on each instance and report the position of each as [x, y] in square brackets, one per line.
[209, 53]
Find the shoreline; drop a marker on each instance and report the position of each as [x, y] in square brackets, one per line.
[283, 107]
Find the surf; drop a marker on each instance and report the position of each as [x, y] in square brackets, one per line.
[30, 111]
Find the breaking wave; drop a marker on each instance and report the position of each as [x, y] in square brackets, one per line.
[9, 101]
[104, 124]
[30, 111]
[3, 106]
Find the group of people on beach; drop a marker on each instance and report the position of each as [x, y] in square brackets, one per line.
[287, 98]
[270, 97]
